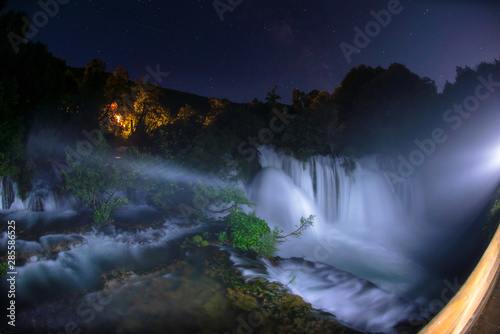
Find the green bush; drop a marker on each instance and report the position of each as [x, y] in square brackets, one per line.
[266, 245]
[3, 269]
[248, 232]
[94, 180]
[246, 229]
[197, 240]
[222, 236]
[102, 215]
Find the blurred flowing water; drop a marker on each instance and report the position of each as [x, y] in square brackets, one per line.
[365, 260]
[79, 265]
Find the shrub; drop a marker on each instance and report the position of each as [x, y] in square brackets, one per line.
[266, 245]
[94, 181]
[246, 230]
[197, 240]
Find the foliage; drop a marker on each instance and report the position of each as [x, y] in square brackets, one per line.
[384, 105]
[222, 236]
[217, 107]
[102, 214]
[272, 97]
[267, 244]
[221, 196]
[93, 75]
[149, 112]
[117, 85]
[3, 269]
[305, 223]
[156, 175]
[146, 172]
[118, 104]
[94, 180]
[161, 193]
[248, 232]
[189, 143]
[316, 128]
[246, 229]
[188, 114]
[198, 241]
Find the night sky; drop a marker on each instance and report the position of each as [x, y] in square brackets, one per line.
[259, 44]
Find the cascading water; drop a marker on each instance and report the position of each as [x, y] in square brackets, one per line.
[7, 194]
[362, 226]
[42, 198]
[79, 259]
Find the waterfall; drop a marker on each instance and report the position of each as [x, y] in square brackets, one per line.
[7, 194]
[337, 193]
[42, 197]
[363, 224]
[43, 200]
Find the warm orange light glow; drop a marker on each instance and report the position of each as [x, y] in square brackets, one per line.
[119, 120]
[114, 106]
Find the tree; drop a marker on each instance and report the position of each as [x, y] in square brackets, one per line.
[379, 107]
[94, 74]
[94, 180]
[117, 84]
[149, 112]
[217, 107]
[272, 97]
[298, 100]
[188, 114]
[11, 30]
[119, 103]
[316, 128]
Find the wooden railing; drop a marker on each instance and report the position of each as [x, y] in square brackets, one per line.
[464, 309]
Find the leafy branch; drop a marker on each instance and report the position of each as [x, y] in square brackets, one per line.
[304, 224]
